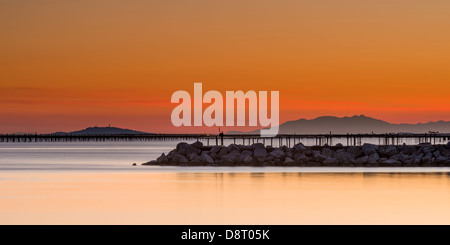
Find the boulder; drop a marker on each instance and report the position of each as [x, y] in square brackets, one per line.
[290, 154]
[441, 159]
[308, 152]
[192, 156]
[313, 164]
[346, 164]
[329, 161]
[437, 154]
[362, 160]
[197, 144]
[257, 145]
[220, 162]
[288, 161]
[259, 151]
[269, 158]
[232, 147]
[391, 150]
[407, 158]
[162, 159]
[319, 157]
[398, 157]
[418, 158]
[445, 153]
[428, 158]
[315, 152]
[448, 146]
[247, 159]
[369, 149]
[247, 153]
[326, 151]
[382, 159]
[231, 157]
[185, 149]
[390, 163]
[342, 156]
[222, 152]
[244, 147]
[427, 149]
[196, 159]
[153, 162]
[215, 149]
[171, 153]
[213, 155]
[447, 163]
[299, 148]
[301, 158]
[373, 159]
[278, 153]
[409, 162]
[355, 151]
[205, 158]
[372, 164]
[339, 145]
[408, 149]
[178, 158]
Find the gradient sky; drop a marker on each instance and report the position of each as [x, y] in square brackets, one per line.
[67, 65]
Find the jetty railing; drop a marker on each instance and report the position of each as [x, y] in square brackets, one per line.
[244, 139]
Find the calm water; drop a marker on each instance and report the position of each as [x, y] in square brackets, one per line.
[94, 183]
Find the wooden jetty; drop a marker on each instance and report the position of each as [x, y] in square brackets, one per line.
[244, 139]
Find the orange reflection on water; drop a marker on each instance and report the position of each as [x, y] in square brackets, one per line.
[223, 198]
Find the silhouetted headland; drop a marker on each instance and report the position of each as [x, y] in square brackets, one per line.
[101, 131]
[367, 155]
[354, 125]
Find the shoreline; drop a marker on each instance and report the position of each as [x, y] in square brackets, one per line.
[259, 155]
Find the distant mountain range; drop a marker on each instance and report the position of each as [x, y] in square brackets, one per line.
[321, 125]
[355, 125]
[101, 131]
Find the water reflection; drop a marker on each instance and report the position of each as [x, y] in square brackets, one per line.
[224, 198]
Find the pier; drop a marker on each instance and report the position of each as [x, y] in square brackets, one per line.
[288, 140]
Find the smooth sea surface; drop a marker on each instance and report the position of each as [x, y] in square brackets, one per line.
[94, 183]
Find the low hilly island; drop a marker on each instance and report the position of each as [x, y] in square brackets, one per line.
[101, 131]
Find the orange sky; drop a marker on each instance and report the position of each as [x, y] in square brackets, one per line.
[67, 65]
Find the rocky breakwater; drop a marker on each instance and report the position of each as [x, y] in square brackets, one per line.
[367, 155]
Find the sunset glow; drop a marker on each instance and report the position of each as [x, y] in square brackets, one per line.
[70, 65]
